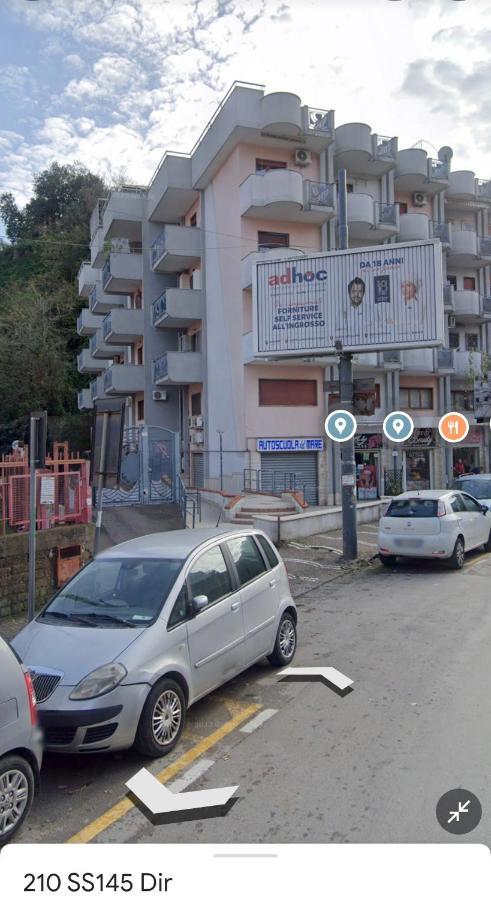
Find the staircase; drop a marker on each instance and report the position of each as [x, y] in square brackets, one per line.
[261, 504]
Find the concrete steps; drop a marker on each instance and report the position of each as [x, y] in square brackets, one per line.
[262, 505]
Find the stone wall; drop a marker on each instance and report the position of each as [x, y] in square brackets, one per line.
[14, 563]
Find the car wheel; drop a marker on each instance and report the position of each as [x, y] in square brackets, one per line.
[162, 719]
[387, 560]
[16, 795]
[487, 545]
[286, 642]
[457, 558]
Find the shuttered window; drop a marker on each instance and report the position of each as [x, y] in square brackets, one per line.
[268, 240]
[287, 392]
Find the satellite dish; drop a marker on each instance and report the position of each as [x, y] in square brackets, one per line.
[445, 154]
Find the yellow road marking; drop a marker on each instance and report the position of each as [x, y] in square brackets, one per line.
[476, 562]
[120, 809]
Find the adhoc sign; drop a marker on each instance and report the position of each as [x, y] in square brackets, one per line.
[288, 445]
[368, 299]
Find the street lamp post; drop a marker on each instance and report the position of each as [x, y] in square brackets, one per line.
[220, 438]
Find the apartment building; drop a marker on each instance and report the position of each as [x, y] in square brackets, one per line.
[169, 288]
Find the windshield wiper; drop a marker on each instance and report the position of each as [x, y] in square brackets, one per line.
[70, 617]
[109, 618]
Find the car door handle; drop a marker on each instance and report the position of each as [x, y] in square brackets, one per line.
[235, 605]
[273, 582]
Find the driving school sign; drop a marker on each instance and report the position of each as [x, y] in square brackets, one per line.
[368, 299]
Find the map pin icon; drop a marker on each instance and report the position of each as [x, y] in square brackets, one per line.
[398, 425]
[340, 425]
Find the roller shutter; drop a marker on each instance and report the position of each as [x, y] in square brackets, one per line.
[277, 469]
[198, 470]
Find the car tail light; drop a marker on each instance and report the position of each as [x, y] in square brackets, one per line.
[441, 509]
[32, 698]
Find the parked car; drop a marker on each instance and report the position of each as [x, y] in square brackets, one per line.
[478, 486]
[433, 524]
[148, 628]
[20, 744]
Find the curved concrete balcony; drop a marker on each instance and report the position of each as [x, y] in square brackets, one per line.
[123, 214]
[370, 220]
[281, 114]
[464, 248]
[122, 272]
[87, 322]
[415, 171]
[124, 379]
[176, 248]
[283, 194]
[178, 367]
[468, 363]
[278, 253]
[87, 363]
[87, 277]
[461, 185]
[123, 326]
[102, 303]
[413, 227]
[421, 360]
[361, 152]
[177, 308]
[171, 193]
[467, 305]
[100, 350]
[84, 399]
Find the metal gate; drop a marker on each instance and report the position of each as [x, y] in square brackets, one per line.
[198, 470]
[148, 468]
[285, 468]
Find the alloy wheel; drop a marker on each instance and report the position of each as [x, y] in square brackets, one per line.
[166, 718]
[287, 638]
[14, 797]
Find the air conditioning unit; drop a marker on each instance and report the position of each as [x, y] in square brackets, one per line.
[451, 321]
[185, 343]
[302, 157]
[198, 438]
[419, 198]
[159, 395]
[198, 421]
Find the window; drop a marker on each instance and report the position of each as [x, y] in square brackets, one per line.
[140, 410]
[139, 355]
[349, 187]
[180, 612]
[264, 165]
[480, 488]
[457, 503]
[359, 408]
[287, 392]
[413, 509]
[471, 505]
[268, 240]
[469, 283]
[452, 279]
[462, 400]
[209, 576]
[193, 220]
[471, 341]
[402, 208]
[196, 404]
[453, 340]
[416, 398]
[268, 550]
[247, 558]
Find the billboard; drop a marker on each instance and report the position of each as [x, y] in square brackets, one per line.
[371, 298]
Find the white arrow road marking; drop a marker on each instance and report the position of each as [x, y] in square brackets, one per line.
[160, 800]
[327, 674]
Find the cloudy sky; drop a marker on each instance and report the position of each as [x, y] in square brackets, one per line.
[113, 83]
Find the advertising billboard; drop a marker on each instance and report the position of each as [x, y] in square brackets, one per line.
[371, 298]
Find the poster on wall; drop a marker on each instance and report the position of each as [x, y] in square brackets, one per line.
[365, 299]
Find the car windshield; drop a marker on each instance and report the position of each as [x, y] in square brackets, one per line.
[113, 593]
[413, 507]
[479, 488]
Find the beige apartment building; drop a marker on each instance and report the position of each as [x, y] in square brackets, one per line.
[169, 290]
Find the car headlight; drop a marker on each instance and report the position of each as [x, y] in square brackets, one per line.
[99, 682]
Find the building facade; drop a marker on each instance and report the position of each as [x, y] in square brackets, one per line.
[169, 288]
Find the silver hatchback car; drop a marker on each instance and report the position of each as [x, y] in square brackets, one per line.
[20, 744]
[148, 628]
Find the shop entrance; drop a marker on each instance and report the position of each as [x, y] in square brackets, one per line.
[418, 470]
[367, 475]
[465, 459]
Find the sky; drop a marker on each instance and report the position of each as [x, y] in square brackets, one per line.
[114, 83]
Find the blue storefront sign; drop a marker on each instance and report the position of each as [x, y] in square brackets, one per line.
[288, 445]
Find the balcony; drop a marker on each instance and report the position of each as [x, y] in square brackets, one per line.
[445, 360]
[369, 220]
[468, 363]
[177, 308]
[87, 363]
[421, 360]
[279, 253]
[467, 305]
[442, 231]
[415, 171]
[96, 236]
[84, 399]
[124, 379]
[486, 307]
[391, 359]
[87, 277]
[178, 367]
[363, 153]
[483, 190]
[123, 214]
[97, 388]
[101, 303]
[448, 293]
[485, 250]
[461, 186]
[171, 193]
[176, 248]
[100, 350]
[122, 272]
[87, 322]
[123, 326]
[318, 126]
[464, 249]
[413, 227]
[282, 194]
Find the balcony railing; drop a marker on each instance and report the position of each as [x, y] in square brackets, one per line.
[106, 272]
[391, 357]
[108, 379]
[385, 147]
[92, 343]
[486, 306]
[158, 247]
[438, 170]
[483, 189]
[448, 295]
[160, 368]
[159, 307]
[98, 213]
[319, 193]
[93, 297]
[441, 230]
[445, 359]
[485, 246]
[106, 326]
[93, 389]
[321, 120]
[386, 213]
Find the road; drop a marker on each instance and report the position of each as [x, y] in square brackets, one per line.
[312, 766]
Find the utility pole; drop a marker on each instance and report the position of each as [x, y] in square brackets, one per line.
[37, 458]
[348, 480]
[220, 438]
[100, 482]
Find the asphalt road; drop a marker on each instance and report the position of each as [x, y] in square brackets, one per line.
[312, 766]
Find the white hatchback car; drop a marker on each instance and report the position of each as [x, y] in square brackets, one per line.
[433, 524]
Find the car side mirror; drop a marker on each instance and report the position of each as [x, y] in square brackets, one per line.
[198, 604]
[485, 509]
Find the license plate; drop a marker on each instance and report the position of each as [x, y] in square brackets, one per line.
[408, 542]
